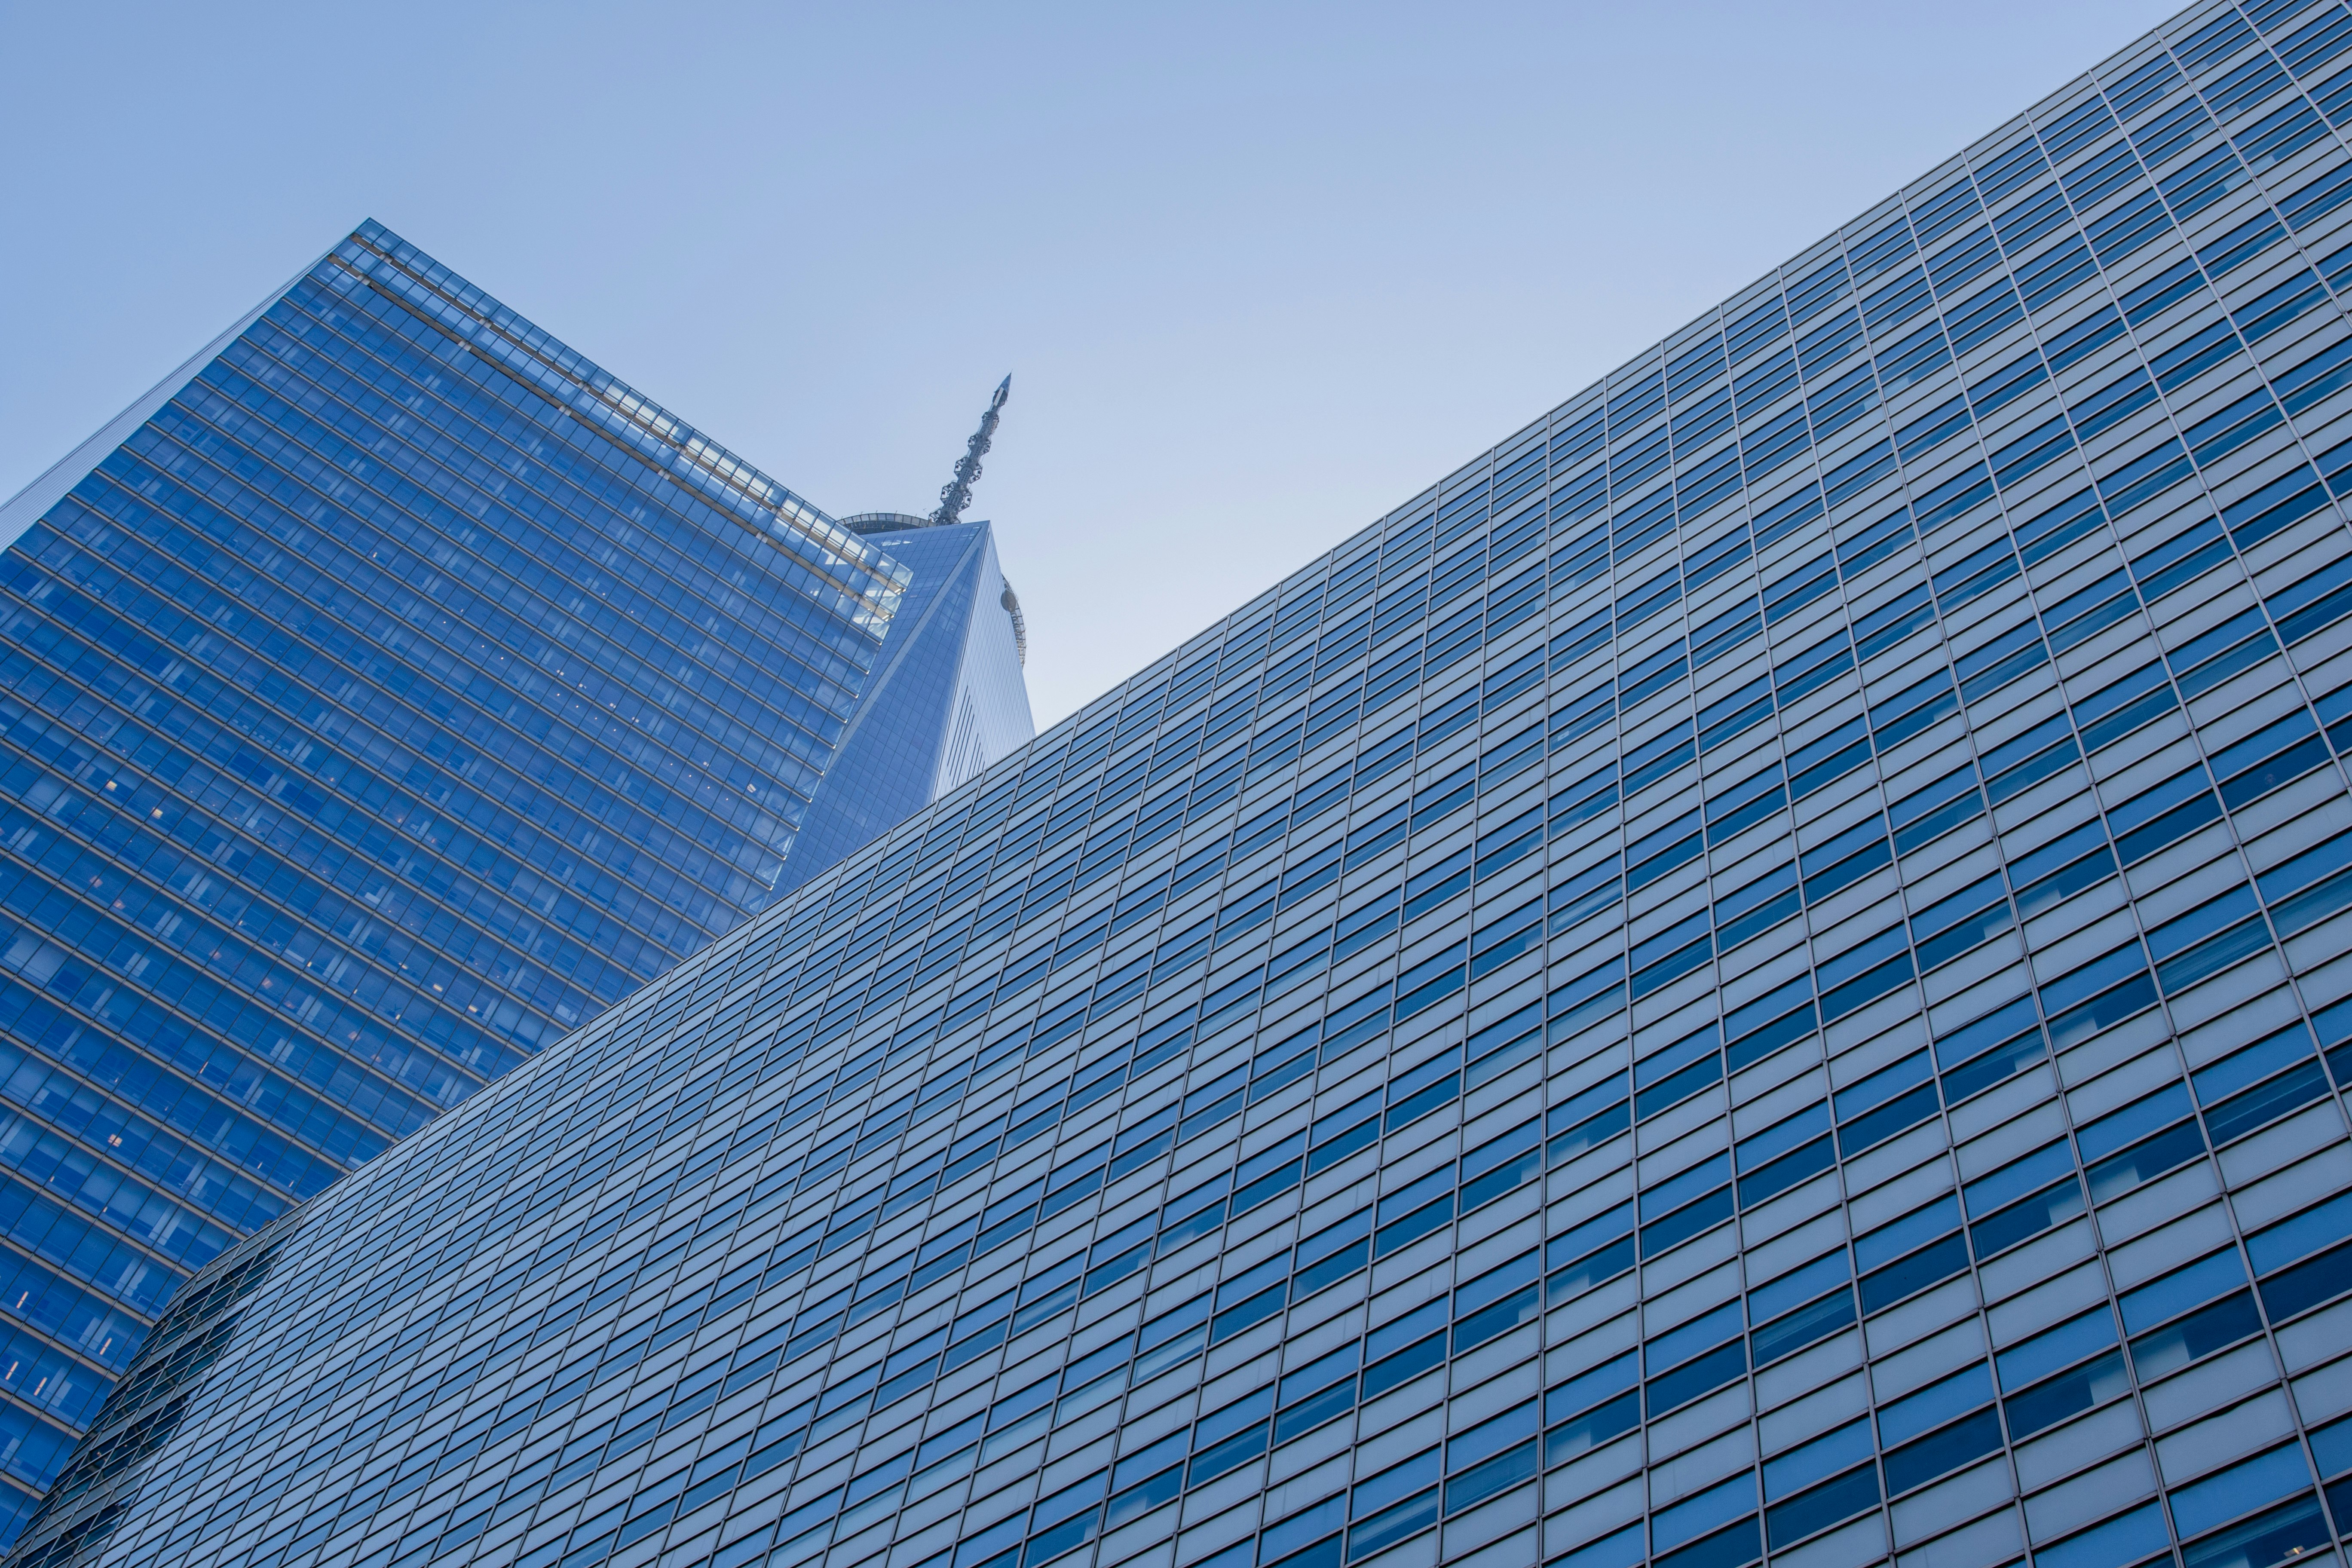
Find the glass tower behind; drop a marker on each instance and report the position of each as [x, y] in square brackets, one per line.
[947, 696]
[1758, 972]
[385, 695]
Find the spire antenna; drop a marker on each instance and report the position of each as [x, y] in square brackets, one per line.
[956, 494]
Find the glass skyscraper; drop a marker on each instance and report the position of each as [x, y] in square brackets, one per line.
[386, 694]
[948, 699]
[1756, 973]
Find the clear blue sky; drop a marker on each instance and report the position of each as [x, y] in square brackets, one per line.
[1260, 271]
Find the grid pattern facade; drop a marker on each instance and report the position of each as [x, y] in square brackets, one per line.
[400, 695]
[1754, 974]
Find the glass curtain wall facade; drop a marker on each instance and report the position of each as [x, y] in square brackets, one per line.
[947, 700]
[384, 696]
[1755, 974]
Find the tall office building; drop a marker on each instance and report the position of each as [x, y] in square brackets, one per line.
[948, 697]
[386, 694]
[1758, 972]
